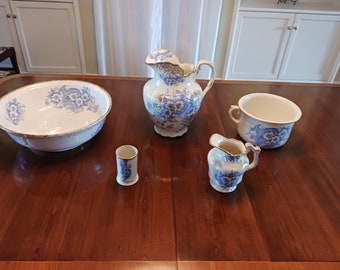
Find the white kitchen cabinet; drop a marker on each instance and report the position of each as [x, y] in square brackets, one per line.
[312, 49]
[285, 42]
[259, 45]
[8, 36]
[49, 36]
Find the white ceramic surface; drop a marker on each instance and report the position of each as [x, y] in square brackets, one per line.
[127, 161]
[55, 115]
[228, 161]
[173, 97]
[265, 119]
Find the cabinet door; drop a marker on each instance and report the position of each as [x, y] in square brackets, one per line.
[259, 45]
[8, 36]
[312, 49]
[48, 36]
[5, 29]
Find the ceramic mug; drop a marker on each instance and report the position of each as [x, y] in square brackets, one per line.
[265, 119]
[127, 159]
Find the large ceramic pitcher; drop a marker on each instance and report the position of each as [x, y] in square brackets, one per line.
[173, 97]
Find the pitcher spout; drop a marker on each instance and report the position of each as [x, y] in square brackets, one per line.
[161, 56]
[165, 61]
[230, 146]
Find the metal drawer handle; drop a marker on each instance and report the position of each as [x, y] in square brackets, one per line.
[292, 28]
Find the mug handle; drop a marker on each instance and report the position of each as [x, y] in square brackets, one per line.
[256, 151]
[212, 76]
[234, 109]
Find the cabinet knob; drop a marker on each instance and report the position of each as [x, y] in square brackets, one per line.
[15, 16]
[292, 28]
[8, 15]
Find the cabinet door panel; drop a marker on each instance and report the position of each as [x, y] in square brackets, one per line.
[8, 35]
[48, 36]
[5, 30]
[259, 45]
[312, 48]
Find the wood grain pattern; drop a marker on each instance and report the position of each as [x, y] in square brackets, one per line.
[165, 265]
[89, 265]
[67, 206]
[242, 265]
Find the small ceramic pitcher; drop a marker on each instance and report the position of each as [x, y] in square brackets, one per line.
[228, 161]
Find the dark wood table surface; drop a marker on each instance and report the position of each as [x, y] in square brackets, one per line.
[66, 211]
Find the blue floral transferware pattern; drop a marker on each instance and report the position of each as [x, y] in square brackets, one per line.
[269, 137]
[228, 161]
[171, 78]
[55, 115]
[170, 74]
[71, 98]
[125, 169]
[229, 179]
[173, 97]
[174, 112]
[225, 170]
[162, 55]
[15, 111]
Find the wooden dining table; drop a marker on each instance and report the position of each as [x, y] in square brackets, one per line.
[66, 210]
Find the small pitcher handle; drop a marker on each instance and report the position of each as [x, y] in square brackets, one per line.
[212, 76]
[234, 109]
[256, 151]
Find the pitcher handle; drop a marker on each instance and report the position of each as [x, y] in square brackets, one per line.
[256, 151]
[234, 109]
[212, 76]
